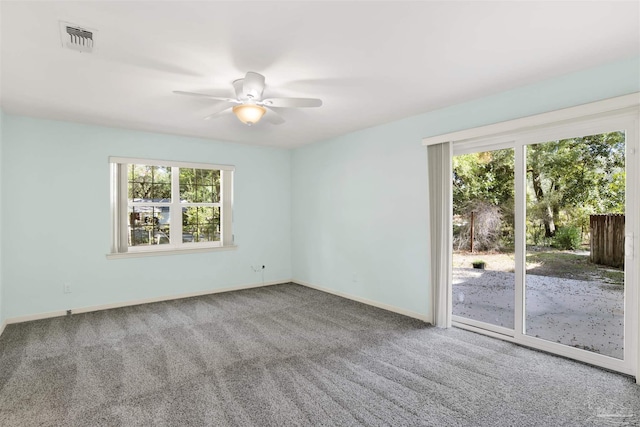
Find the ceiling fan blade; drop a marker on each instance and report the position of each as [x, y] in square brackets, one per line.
[253, 85]
[273, 117]
[292, 102]
[204, 95]
[217, 113]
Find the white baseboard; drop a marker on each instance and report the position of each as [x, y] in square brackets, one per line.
[79, 310]
[2, 326]
[387, 307]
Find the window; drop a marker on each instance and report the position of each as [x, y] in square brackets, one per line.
[161, 206]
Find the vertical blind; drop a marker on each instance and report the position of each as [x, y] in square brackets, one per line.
[440, 211]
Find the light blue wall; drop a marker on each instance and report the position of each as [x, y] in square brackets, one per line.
[348, 214]
[359, 201]
[1, 235]
[55, 220]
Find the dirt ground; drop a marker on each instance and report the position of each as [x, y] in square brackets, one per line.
[569, 300]
[578, 313]
[545, 262]
[495, 261]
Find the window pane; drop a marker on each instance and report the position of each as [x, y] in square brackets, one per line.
[575, 223]
[484, 281]
[149, 183]
[161, 192]
[148, 225]
[199, 185]
[200, 224]
[207, 194]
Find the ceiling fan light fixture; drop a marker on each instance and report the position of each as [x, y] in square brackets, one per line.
[249, 114]
[249, 105]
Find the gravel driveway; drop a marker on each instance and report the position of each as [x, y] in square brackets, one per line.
[578, 313]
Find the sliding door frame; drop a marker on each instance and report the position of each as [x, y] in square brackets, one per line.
[621, 113]
[491, 144]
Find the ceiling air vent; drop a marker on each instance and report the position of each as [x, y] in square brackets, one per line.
[76, 38]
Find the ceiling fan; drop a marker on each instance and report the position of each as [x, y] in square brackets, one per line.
[249, 106]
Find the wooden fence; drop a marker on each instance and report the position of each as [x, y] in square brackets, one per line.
[607, 239]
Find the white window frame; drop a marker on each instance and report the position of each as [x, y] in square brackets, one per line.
[621, 113]
[119, 204]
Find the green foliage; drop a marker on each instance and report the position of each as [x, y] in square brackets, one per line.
[570, 179]
[483, 184]
[567, 238]
[201, 224]
[567, 181]
[149, 182]
[486, 176]
[199, 185]
[153, 184]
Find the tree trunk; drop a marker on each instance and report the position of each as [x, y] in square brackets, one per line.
[549, 224]
[555, 213]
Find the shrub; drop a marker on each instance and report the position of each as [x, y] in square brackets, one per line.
[567, 238]
[487, 227]
[479, 264]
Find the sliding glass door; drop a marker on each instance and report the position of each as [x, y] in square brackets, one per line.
[543, 228]
[483, 239]
[575, 232]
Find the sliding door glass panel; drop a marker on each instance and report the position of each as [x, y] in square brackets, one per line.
[575, 228]
[483, 237]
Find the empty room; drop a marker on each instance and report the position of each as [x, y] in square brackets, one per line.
[307, 213]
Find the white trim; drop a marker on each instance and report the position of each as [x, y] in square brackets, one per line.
[580, 112]
[120, 213]
[226, 208]
[171, 163]
[142, 254]
[578, 354]
[520, 237]
[483, 331]
[366, 301]
[2, 326]
[182, 204]
[169, 247]
[537, 344]
[501, 330]
[175, 227]
[591, 125]
[632, 269]
[58, 313]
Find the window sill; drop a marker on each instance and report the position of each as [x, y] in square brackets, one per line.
[141, 254]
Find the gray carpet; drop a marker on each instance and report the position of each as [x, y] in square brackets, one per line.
[288, 355]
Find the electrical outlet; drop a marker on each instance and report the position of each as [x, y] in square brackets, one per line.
[66, 288]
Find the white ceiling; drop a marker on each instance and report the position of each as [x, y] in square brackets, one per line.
[371, 62]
